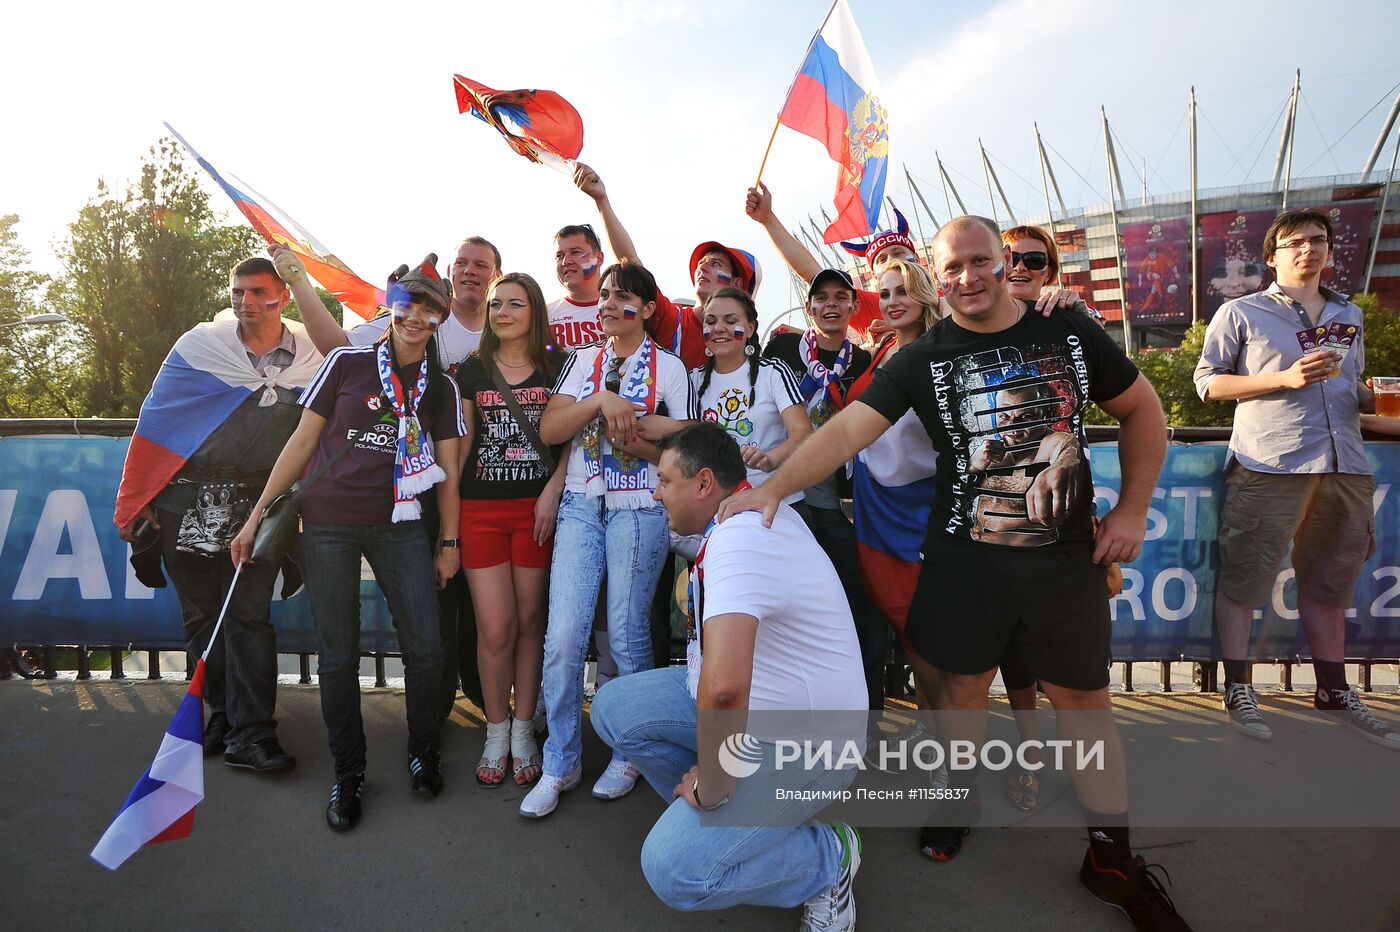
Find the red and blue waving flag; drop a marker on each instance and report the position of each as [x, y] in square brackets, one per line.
[273, 224]
[540, 125]
[161, 804]
[835, 99]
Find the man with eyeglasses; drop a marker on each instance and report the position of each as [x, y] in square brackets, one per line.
[1297, 470]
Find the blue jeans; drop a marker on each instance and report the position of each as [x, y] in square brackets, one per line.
[403, 566]
[651, 719]
[590, 540]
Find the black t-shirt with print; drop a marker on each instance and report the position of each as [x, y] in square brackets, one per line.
[502, 463]
[787, 346]
[1005, 413]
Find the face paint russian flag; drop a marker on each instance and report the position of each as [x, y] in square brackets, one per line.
[589, 267]
[629, 311]
[724, 278]
[739, 333]
[999, 272]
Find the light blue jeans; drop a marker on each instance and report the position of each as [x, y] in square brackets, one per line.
[652, 720]
[590, 541]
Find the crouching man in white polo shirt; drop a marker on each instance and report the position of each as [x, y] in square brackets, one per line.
[771, 617]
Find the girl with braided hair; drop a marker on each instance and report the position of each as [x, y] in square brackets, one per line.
[758, 401]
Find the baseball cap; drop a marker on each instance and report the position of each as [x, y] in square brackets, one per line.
[827, 275]
[744, 262]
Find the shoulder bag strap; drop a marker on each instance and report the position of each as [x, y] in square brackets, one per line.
[521, 418]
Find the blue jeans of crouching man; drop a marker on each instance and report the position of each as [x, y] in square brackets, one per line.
[403, 565]
[651, 719]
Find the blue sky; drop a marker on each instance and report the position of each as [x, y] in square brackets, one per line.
[346, 118]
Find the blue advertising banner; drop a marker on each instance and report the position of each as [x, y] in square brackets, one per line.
[64, 574]
[1165, 609]
[65, 579]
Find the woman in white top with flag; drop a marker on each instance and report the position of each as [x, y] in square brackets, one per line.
[757, 401]
[611, 400]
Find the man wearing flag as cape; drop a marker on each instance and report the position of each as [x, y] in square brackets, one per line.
[223, 404]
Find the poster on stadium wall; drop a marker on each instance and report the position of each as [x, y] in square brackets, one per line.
[1352, 226]
[1232, 257]
[1158, 257]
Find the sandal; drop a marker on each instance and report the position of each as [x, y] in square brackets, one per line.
[525, 751]
[1023, 790]
[494, 754]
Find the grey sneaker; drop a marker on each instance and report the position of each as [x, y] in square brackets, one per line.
[1354, 714]
[1243, 707]
[834, 909]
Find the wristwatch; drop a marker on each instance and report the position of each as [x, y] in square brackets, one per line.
[450, 542]
[695, 791]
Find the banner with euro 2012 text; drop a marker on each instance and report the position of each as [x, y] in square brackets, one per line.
[65, 579]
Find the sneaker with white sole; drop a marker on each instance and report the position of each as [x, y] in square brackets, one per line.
[1354, 714]
[1243, 707]
[618, 780]
[543, 799]
[834, 909]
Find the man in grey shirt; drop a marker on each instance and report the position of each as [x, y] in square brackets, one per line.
[1296, 470]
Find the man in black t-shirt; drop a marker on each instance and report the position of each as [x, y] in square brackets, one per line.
[826, 364]
[1011, 556]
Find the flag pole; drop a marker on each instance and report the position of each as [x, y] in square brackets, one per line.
[779, 121]
[776, 123]
[222, 612]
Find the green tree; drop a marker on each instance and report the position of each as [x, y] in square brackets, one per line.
[36, 362]
[141, 266]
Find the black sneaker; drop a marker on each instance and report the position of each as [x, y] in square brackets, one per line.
[263, 756]
[426, 768]
[1136, 891]
[343, 811]
[943, 842]
[214, 734]
[1242, 705]
[1354, 714]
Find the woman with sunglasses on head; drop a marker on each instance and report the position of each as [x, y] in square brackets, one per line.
[758, 401]
[384, 421]
[511, 485]
[612, 400]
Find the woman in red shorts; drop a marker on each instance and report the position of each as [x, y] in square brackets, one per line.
[511, 485]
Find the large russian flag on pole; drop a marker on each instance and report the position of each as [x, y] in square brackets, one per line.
[835, 99]
[275, 226]
[161, 804]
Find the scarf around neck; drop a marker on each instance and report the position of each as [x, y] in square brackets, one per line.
[415, 470]
[819, 382]
[622, 479]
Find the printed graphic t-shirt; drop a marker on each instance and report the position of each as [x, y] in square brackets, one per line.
[359, 487]
[502, 463]
[574, 324]
[788, 348]
[1005, 414]
[454, 341]
[726, 403]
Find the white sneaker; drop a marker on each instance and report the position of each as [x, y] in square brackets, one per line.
[617, 781]
[834, 910]
[1243, 707]
[543, 799]
[1354, 714]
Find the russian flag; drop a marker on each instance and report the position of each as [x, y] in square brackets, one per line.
[892, 484]
[835, 99]
[161, 805]
[275, 226]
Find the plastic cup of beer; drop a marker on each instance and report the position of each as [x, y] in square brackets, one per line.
[1387, 389]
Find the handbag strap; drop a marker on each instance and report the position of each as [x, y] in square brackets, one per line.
[521, 418]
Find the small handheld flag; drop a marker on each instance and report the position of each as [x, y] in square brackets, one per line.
[161, 805]
[540, 125]
[276, 227]
[835, 99]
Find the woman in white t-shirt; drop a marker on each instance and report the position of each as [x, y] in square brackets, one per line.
[611, 401]
[757, 401]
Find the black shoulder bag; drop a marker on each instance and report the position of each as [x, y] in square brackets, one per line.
[281, 519]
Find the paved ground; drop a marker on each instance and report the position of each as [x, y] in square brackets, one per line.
[262, 857]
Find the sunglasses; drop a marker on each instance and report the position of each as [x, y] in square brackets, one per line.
[613, 381]
[1033, 261]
